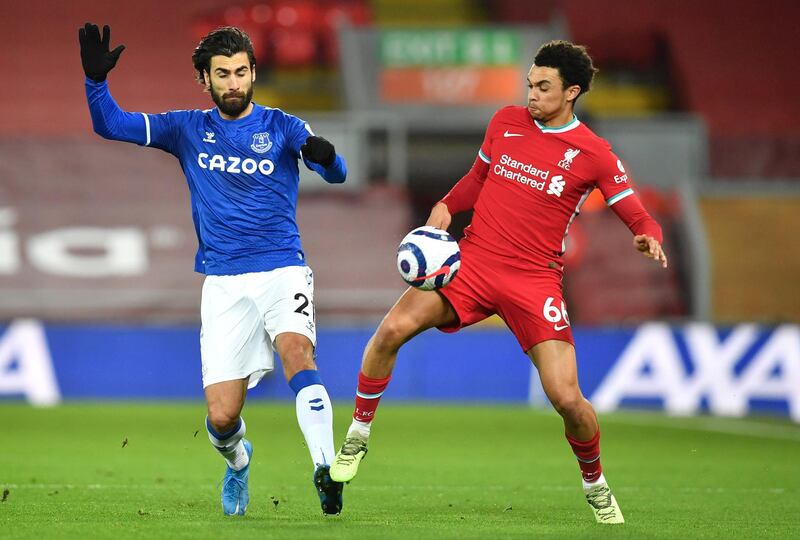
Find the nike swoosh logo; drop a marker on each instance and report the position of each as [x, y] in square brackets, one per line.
[507, 134]
[558, 328]
[439, 272]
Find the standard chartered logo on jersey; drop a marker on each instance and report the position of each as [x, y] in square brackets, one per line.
[234, 164]
[529, 175]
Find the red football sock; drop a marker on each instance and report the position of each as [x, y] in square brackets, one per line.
[588, 454]
[368, 396]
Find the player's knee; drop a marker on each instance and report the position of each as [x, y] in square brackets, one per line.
[297, 354]
[392, 333]
[297, 360]
[568, 404]
[223, 417]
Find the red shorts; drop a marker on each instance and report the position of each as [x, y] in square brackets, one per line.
[529, 299]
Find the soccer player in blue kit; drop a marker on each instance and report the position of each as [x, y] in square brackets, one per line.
[241, 163]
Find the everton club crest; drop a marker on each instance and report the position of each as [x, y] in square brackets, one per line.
[261, 142]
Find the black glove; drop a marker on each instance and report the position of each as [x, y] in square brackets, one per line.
[319, 150]
[95, 56]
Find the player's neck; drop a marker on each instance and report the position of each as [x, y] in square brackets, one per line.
[561, 119]
[243, 114]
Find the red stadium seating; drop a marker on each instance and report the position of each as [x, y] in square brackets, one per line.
[730, 62]
[290, 33]
[293, 47]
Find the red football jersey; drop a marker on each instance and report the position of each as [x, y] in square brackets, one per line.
[538, 178]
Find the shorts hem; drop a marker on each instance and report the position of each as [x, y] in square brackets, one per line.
[455, 326]
[312, 336]
[536, 341]
[258, 374]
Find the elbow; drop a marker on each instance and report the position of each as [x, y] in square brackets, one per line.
[101, 129]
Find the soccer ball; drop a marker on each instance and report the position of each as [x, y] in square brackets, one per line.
[428, 258]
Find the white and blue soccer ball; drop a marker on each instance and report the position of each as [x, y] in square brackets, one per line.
[428, 258]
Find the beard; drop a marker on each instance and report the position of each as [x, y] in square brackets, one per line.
[232, 103]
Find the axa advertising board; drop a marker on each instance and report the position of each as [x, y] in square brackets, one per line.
[734, 371]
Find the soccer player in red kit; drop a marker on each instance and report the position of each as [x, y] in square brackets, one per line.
[535, 168]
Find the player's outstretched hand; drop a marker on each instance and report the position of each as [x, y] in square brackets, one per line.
[96, 58]
[650, 247]
[319, 150]
[440, 216]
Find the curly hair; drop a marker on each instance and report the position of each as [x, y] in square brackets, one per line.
[572, 61]
[227, 41]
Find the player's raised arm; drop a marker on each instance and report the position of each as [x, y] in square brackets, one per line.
[108, 120]
[320, 155]
[96, 57]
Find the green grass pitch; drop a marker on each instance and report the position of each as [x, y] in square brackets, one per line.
[147, 471]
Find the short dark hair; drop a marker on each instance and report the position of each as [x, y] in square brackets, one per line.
[572, 61]
[227, 41]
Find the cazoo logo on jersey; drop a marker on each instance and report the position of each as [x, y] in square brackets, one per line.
[233, 164]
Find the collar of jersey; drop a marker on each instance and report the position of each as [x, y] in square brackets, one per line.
[572, 124]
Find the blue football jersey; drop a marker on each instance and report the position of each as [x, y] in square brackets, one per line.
[243, 177]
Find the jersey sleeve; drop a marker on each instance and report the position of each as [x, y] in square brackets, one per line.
[485, 151]
[615, 185]
[162, 130]
[465, 193]
[612, 179]
[111, 122]
[296, 132]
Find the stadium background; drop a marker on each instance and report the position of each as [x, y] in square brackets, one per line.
[100, 397]
[96, 242]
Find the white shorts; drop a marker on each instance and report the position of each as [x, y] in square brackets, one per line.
[242, 315]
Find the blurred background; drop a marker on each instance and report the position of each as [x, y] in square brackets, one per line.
[699, 98]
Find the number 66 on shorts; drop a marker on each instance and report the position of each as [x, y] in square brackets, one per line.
[557, 316]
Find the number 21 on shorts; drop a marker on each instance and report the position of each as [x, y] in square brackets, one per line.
[306, 307]
[555, 315]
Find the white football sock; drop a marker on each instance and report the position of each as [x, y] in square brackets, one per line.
[359, 429]
[588, 486]
[315, 417]
[230, 445]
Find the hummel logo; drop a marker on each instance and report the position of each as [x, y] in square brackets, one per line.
[508, 134]
[209, 137]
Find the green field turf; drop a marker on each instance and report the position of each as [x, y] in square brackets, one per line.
[432, 472]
